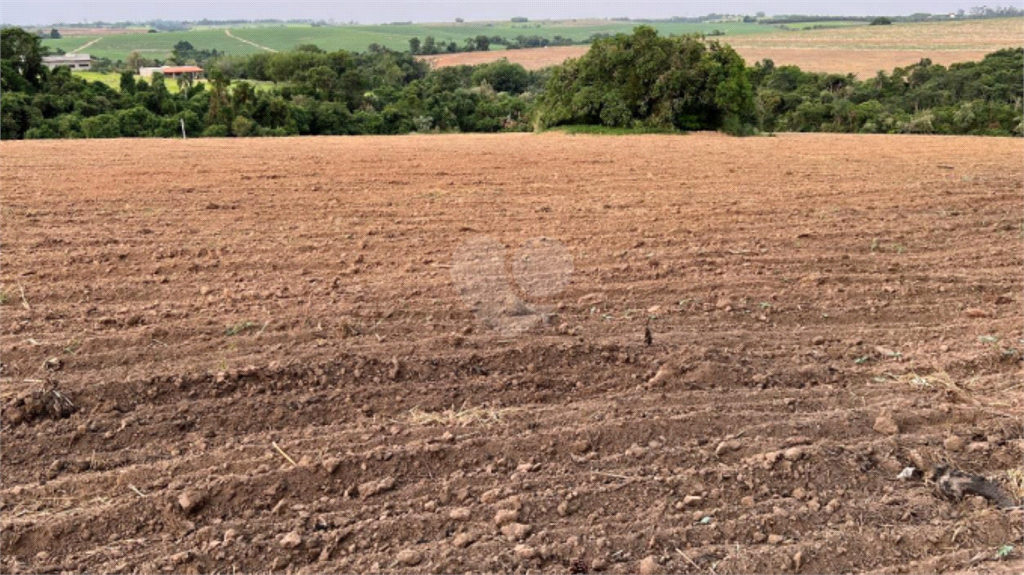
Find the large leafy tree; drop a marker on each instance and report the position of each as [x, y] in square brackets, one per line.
[644, 79]
[24, 53]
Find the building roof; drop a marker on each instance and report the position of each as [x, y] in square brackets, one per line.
[180, 69]
[66, 58]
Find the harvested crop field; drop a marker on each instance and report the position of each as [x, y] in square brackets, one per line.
[427, 353]
[860, 50]
[865, 63]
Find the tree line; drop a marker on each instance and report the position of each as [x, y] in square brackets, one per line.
[639, 81]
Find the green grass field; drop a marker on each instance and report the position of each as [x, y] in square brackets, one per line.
[358, 38]
[113, 79]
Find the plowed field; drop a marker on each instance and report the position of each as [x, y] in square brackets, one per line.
[427, 354]
[860, 50]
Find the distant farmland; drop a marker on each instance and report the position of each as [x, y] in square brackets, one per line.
[861, 50]
[117, 46]
[844, 48]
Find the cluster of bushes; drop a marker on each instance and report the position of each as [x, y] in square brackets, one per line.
[979, 98]
[640, 82]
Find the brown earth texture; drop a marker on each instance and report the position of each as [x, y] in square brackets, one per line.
[430, 354]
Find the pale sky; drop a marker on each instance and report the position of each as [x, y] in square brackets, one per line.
[50, 11]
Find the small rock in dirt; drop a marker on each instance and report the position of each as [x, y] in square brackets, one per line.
[909, 473]
[976, 312]
[692, 500]
[506, 516]
[793, 453]
[798, 559]
[409, 557]
[978, 447]
[748, 501]
[580, 447]
[371, 488]
[635, 451]
[490, 496]
[649, 566]
[53, 364]
[563, 509]
[463, 540]
[818, 340]
[663, 374]
[953, 443]
[775, 539]
[513, 502]
[799, 493]
[191, 501]
[525, 552]
[291, 540]
[884, 351]
[886, 425]
[516, 531]
[230, 535]
[331, 464]
[725, 447]
[460, 514]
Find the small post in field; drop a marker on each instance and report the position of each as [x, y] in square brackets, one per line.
[183, 136]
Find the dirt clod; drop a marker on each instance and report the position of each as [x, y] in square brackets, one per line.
[291, 540]
[371, 488]
[191, 500]
[516, 531]
[886, 425]
[649, 566]
[409, 557]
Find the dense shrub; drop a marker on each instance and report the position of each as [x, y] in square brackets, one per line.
[643, 79]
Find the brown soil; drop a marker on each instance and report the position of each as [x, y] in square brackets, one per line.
[249, 355]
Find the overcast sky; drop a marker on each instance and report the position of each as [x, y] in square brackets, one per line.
[49, 11]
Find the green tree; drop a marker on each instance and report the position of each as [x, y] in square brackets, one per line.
[17, 115]
[243, 127]
[503, 76]
[414, 45]
[127, 82]
[184, 82]
[429, 46]
[55, 34]
[24, 53]
[102, 126]
[643, 79]
[220, 100]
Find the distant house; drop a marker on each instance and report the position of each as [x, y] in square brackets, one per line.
[73, 61]
[173, 71]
